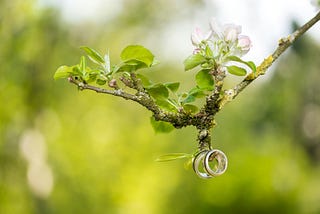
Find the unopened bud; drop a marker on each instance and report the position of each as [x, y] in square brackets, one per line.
[113, 84]
[70, 79]
[244, 43]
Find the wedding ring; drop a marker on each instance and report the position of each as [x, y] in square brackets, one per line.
[199, 158]
[219, 159]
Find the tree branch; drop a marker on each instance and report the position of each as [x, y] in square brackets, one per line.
[204, 119]
[219, 75]
[140, 97]
[118, 93]
[178, 120]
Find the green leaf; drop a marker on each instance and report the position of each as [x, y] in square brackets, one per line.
[90, 75]
[197, 92]
[238, 71]
[93, 55]
[172, 86]
[208, 51]
[189, 99]
[191, 96]
[82, 65]
[137, 54]
[144, 80]
[107, 64]
[101, 81]
[172, 156]
[190, 108]
[158, 91]
[193, 61]
[167, 104]
[76, 71]
[63, 72]
[250, 64]
[161, 126]
[130, 67]
[204, 80]
[94, 71]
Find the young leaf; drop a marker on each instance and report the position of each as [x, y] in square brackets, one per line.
[94, 71]
[204, 80]
[172, 156]
[82, 65]
[167, 104]
[190, 108]
[193, 61]
[137, 53]
[92, 77]
[189, 99]
[101, 81]
[208, 51]
[144, 80]
[197, 92]
[191, 96]
[238, 71]
[127, 67]
[107, 65]
[250, 64]
[63, 72]
[76, 70]
[93, 55]
[172, 86]
[158, 91]
[161, 126]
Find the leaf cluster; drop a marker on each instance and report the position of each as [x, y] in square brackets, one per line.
[166, 96]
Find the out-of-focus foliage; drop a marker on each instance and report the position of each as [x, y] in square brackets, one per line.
[64, 151]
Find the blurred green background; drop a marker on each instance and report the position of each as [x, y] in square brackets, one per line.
[64, 151]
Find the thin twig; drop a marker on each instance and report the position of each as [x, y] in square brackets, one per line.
[118, 93]
[178, 120]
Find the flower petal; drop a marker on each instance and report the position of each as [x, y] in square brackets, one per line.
[231, 32]
[216, 28]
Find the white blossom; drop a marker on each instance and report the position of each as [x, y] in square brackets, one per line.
[231, 32]
[223, 41]
[198, 36]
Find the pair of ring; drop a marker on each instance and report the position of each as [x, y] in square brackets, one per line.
[213, 162]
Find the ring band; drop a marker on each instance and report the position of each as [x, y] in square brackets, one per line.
[199, 158]
[222, 164]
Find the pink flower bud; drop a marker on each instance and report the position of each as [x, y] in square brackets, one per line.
[113, 84]
[244, 43]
